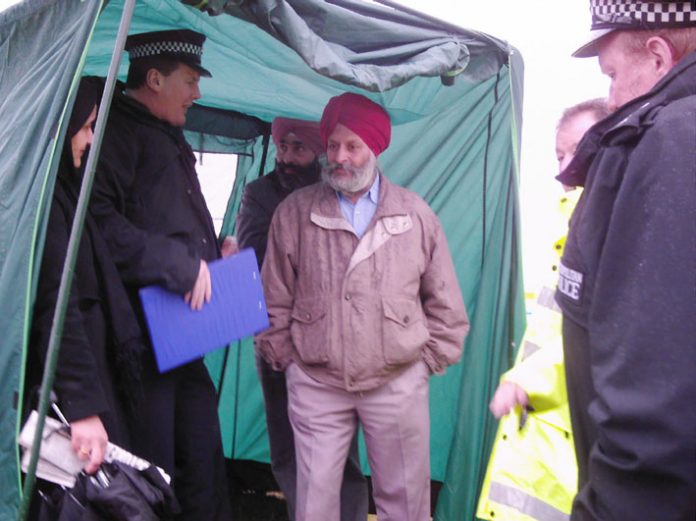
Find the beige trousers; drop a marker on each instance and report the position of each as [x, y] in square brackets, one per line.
[396, 426]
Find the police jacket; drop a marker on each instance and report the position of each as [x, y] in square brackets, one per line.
[148, 202]
[627, 289]
[532, 472]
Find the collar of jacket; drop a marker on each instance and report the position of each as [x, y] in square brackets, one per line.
[326, 212]
[391, 218]
[139, 112]
[631, 120]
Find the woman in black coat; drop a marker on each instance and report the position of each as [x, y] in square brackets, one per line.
[101, 344]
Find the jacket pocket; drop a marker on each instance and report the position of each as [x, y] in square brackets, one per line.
[404, 332]
[309, 331]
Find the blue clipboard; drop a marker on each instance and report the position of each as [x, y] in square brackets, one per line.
[236, 310]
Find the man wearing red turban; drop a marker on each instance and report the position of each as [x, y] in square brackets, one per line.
[364, 305]
[298, 147]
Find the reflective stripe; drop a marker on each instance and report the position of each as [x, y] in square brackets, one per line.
[522, 502]
[546, 299]
[529, 349]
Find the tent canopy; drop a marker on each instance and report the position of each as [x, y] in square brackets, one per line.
[454, 96]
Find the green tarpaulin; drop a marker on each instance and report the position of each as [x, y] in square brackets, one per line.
[454, 96]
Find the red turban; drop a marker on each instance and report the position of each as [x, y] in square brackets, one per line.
[306, 131]
[361, 115]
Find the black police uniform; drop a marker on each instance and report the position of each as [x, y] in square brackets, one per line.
[148, 203]
[627, 289]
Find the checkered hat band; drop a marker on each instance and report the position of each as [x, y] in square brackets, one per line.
[614, 13]
[157, 48]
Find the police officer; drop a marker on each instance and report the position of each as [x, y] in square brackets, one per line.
[149, 206]
[627, 276]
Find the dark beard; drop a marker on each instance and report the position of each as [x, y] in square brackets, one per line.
[292, 177]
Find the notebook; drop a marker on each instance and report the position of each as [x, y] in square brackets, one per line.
[237, 309]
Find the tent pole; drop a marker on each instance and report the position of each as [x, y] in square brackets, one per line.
[266, 140]
[71, 257]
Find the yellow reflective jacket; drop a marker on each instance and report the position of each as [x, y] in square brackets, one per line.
[532, 472]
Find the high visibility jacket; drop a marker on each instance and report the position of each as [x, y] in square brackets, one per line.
[532, 472]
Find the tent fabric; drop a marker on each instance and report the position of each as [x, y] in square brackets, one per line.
[456, 145]
[347, 40]
[222, 131]
[41, 47]
[224, 123]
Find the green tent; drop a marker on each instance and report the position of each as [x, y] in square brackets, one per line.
[454, 96]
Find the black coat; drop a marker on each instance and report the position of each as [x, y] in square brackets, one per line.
[627, 289]
[102, 342]
[260, 199]
[148, 202]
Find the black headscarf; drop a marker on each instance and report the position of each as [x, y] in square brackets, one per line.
[88, 97]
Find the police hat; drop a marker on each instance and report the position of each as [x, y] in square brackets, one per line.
[610, 15]
[181, 45]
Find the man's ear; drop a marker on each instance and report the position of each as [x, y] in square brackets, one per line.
[662, 55]
[153, 80]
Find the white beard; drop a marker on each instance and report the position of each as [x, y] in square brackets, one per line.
[360, 179]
